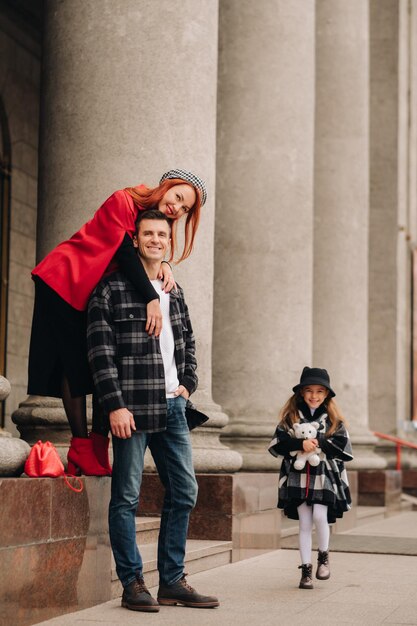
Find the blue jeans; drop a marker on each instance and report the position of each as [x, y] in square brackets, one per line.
[172, 453]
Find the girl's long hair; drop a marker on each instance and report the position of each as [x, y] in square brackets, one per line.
[289, 415]
[150, 197]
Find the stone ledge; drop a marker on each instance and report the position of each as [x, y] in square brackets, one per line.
[54, 548]
[380, 488]
[410, 481]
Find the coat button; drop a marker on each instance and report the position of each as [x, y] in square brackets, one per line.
[131, 315]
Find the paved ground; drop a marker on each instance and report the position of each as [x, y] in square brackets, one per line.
[364, 588]
[393, 535]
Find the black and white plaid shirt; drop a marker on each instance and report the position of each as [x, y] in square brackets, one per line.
[126, 362]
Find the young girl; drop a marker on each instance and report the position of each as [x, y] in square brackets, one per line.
[315, 494]
[64, 280]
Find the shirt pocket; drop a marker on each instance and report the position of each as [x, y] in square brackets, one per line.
[131, 336]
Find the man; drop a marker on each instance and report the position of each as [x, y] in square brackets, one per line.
[143, 384]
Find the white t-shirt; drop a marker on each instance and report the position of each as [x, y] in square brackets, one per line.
[166, 342]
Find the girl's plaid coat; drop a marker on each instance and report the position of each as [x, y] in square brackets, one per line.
[326, 483]
[126, 362]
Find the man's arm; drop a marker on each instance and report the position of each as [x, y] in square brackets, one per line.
[101, 345]
[189, 379]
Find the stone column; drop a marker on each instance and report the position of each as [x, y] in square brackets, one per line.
[407, 225]
[383, 219]
[263, 278]
[129, 91]
[341, 204]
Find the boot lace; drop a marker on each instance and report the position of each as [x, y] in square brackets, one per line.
[323, 558]
[185, 584]
[306, 570]
[140, 585]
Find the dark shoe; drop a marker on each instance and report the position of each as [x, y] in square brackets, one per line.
[136, 597]
[323, 568]
[306, 581]
[182, 593]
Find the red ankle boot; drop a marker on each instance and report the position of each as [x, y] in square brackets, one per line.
[101, 450]
[81, 459]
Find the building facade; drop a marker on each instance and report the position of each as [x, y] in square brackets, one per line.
[301, 116]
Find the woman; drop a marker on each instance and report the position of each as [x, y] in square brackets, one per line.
[64, 280]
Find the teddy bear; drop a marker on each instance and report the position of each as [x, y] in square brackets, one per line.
[306, 430]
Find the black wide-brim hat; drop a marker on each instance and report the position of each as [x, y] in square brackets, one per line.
[314, 376]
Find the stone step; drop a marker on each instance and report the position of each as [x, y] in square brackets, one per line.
[147, 529]
[408, 502]
[200, 555]
[368, 514]
[289, 527]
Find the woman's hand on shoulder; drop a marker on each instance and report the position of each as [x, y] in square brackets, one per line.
[154, 318]
[167, 277]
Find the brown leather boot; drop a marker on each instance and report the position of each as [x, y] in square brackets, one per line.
[323, 568]
[182, 593]
[136, 597]
[306, 581]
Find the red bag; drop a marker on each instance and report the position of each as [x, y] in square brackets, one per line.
[44, 461]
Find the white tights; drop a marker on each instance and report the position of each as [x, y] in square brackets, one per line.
[309, 515]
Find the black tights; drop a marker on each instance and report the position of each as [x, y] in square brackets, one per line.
[75, 409]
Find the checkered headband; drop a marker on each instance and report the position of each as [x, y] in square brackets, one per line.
[188, 177]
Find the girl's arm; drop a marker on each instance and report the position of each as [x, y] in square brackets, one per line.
[337, 446]
[282, 443]
[132, 267]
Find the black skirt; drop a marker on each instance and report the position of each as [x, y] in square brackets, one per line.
[58, 346]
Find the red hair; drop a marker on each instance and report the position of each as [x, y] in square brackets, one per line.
[149, 198]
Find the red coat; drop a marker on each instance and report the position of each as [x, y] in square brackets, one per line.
[75, 266]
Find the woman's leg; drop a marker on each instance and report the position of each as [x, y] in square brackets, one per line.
[75, 409]
[305, 514]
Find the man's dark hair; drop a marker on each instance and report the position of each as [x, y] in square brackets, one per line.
[152, 214]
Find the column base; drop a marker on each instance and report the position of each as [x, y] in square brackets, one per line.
[13, 455]
[251, 441]
[365, 455]
[41, 417]
[209, 453]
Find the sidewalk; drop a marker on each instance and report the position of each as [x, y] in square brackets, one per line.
[364, 589]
